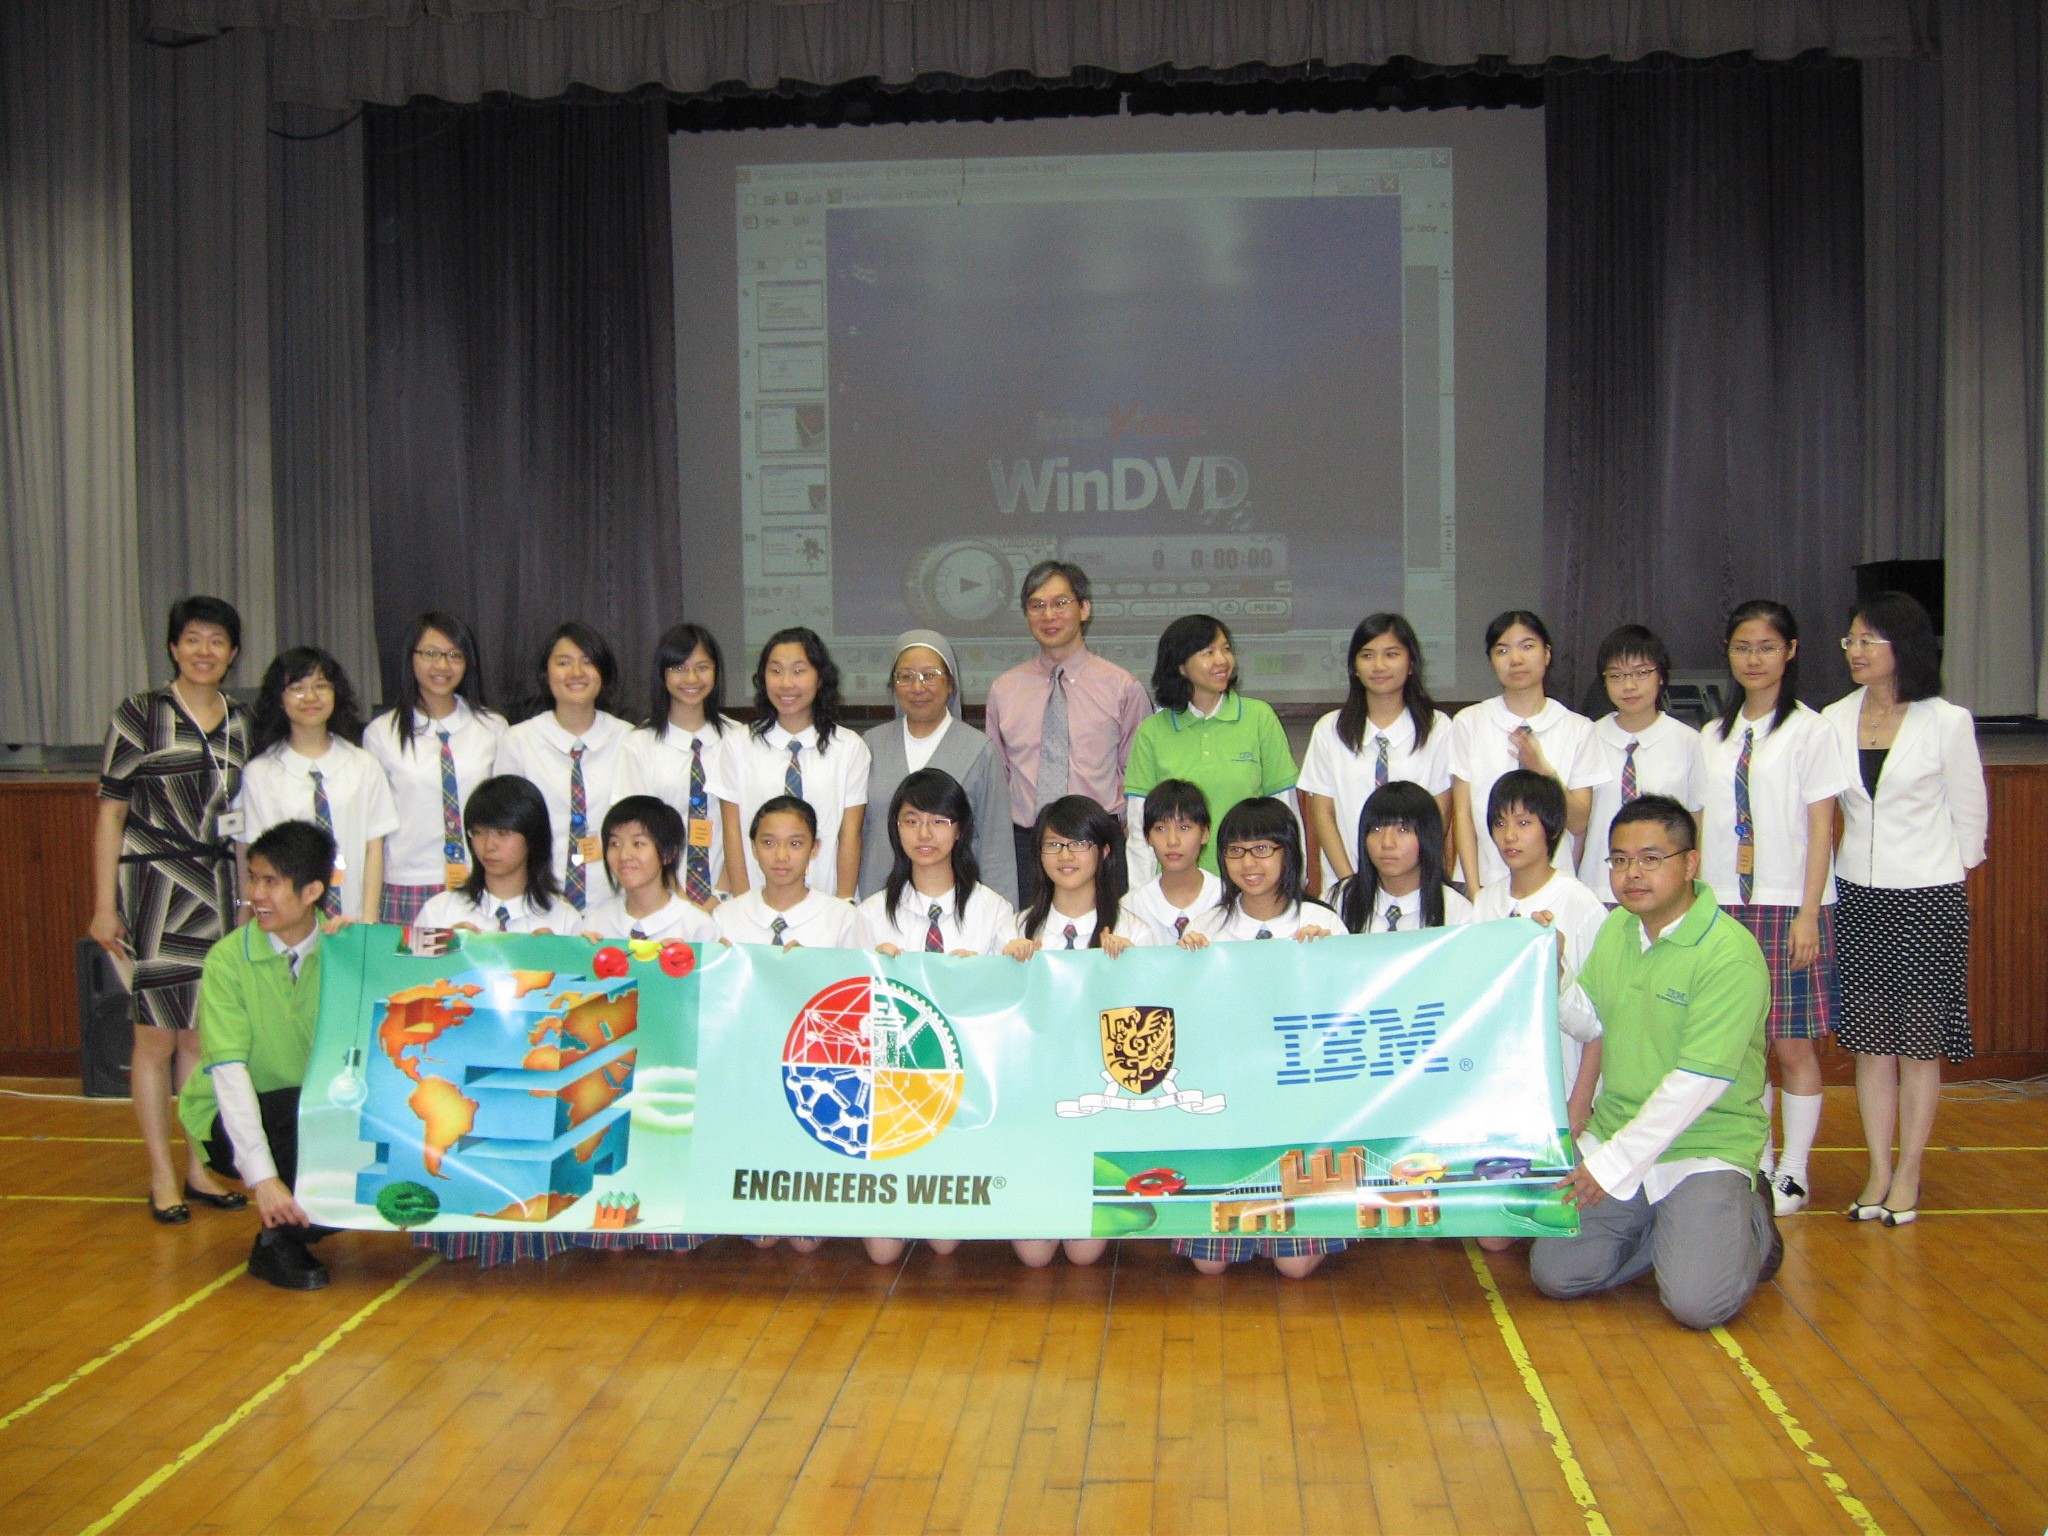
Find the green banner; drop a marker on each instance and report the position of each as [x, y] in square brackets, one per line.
[1386, 1086]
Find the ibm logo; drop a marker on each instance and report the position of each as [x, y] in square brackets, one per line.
[1337, 1047]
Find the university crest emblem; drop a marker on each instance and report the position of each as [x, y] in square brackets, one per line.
[1138, 1044]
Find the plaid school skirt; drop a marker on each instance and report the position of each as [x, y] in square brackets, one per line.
[402, 903]
[1235, 1250]
[1804, 1003]
[490, 1249]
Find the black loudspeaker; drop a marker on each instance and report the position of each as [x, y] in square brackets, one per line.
[1920, 580]
[106, 1025]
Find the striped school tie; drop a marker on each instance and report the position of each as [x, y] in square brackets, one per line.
[1380, 768]
[323, 813]
[1180, 926]
[697, 861]
[776, 930]
[575, 887]
[504, 918]
[1072, 934]
[793, 775]
[451, 805]
[1745, 825]
[1393, 918]
[1628, 774]
[934, 941]
[1263, 933]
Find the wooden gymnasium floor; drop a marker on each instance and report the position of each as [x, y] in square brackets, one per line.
[1889, 1380]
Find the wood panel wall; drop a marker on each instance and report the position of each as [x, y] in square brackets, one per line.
[45, 904]
[46, 901]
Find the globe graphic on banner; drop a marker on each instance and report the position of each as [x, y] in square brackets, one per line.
[871, 1068]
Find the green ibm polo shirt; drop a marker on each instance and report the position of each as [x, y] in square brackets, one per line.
[1238, 753]
[1694, 1001]
[251, 1011]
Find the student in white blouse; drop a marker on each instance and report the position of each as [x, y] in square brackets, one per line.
[643, 855]
[678, 754]
[933, 900]
[304, 765]
[511, 885]
[1402, 885]
[783, 910]
[1915, 821]
[1265, 892]
[570, 745]
[1646, 751]
[1766, 845]
[1082, 901]
[1388, 731]
[1175, 823]
[436, 746]
[1521, 727]
[796, 746]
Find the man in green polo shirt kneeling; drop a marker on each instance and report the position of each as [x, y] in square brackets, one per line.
[259, 999]
[1667, 1171]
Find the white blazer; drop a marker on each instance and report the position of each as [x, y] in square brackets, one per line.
[1932, 813]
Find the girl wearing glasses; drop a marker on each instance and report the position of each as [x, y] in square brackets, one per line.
[1520, 727]
[308, 767]
[436, 746]
[1082, 885]
[1265, 894]
[676, 752]
[1767, 829]
[1646, 751]
[928, 732]
[933, 900]
[1915, 816]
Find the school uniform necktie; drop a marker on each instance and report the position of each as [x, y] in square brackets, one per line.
[1263, 933]
[451, 804]
[776, 930]
[934, 941]
[637, 932]
[504, 918]
[323, 813]
[696, 860]
[1745, 824]
[1628, 773]
[793, 775]
[1054, 773]
[1393, 918]
[1380, 767]
[1072, 934]
[1180, 926]
[579, 828]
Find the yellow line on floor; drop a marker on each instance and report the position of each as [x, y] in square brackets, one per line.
[123, 1141]
[262, 1395]
[124, 1346]
[1928, 1210]
[80, 1199]
[1796, 1433]
[1532, 1383]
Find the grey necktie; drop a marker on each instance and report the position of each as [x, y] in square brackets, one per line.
[1393, 918]
[776, 930]
[1053, 774]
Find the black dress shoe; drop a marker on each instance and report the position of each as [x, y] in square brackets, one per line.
[170, 1215]
[226, 1200]
[1774, 1256]
[284, 1262]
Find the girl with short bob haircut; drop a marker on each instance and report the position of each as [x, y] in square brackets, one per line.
[511, 886]
[1388, 730]
[933, 900]
[308, 766]
[1401, 884]
[643, 850]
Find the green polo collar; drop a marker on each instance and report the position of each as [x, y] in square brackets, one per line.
[1221, 717]
[1699, 919]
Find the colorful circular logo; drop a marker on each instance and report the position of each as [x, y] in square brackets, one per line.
[871, 1068]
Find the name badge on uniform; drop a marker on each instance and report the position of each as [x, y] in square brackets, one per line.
[1745, 858]
[454, 876]
[587, 850]
[338, 877]
[700, 832]
[231, 823]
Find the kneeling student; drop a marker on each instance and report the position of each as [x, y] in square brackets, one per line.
[643, 853]
[1176, 827]
[1667, 1177]
[1401, 884]
[259, 1000]
[784, 911]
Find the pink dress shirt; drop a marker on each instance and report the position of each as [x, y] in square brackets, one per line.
[1105, 706]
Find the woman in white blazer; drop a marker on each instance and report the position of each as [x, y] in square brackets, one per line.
[1914, 822]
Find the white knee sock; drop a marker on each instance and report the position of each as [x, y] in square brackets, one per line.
[1802, 1125]
[1769, 1162]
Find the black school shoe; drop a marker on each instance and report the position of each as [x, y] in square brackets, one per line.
[1774, 1256]
[284, 1262]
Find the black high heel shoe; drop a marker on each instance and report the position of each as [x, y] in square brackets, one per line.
[227, 1200]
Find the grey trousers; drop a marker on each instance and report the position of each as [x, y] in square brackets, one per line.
[1707, 1241]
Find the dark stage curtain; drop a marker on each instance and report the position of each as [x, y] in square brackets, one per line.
[522, 378]
[1704, 412]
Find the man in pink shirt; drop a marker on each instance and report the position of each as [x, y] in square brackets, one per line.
[1062, 722]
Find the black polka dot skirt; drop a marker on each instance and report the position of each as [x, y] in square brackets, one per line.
[1904, 958]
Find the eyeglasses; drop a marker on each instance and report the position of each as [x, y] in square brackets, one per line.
[1648, 863]
[1056, 847]
[1768, 651]
[1863, 642]
[919, 678]
[1038, 606]
[435, 657]
[312, 688]
[1634, 675]
[928, 824]
[1240, 851]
